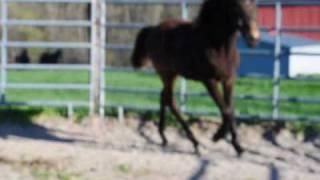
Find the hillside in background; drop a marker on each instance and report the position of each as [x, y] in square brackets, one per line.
[48, 12]
[63, 11]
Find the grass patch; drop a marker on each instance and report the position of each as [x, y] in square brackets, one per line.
[41, 169]
[48, 76]
[44, 174]
[124, 168]
[140, 80]
[309, 130]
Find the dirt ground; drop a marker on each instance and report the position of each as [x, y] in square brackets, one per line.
[58, 149]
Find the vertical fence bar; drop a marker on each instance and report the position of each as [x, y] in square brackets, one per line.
[92, 55]
[277, 62]
[4, 51]
[120, 114]
[96, 55]
[70, 111]
[103, 19]
[183, 83]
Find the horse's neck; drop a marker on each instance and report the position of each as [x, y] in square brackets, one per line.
[216, 22]
[216, 37]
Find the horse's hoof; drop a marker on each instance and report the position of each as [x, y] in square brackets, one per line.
[164, 143]
[239, 151]
[218, 136]
[197, 152]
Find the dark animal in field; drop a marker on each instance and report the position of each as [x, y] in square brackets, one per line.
[50, 58]
[23, 57]
[203, 50]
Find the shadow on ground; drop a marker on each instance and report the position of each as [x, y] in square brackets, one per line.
[18, 123]
[144, 124]
[201, 171]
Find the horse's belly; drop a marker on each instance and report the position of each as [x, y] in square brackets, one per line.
[200, 71]
[203, 69]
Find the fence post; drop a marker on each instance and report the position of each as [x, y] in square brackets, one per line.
[4, 52]
[103, 26]
[183, 83]
[97, 57]
[70, 111]
[277, 62]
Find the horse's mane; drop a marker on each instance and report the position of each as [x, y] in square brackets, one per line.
[218, 18]
[218, 11]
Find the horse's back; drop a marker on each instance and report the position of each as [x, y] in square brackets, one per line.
[175, 47]
[173, 23]
[168, 43]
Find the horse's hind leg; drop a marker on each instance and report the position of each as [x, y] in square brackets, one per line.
[170, 101]
[161, 126]
[185, 126]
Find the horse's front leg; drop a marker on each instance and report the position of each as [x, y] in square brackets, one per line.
[228, 114]
[225, 105]
[214, 92]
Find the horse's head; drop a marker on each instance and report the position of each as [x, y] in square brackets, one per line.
[225, 17]
[248, 25]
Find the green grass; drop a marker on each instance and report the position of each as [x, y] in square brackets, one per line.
[244, 86]
[124, 168]
[140, 80]
[48, 76]
[40, 173]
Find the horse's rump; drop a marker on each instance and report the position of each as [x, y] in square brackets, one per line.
[154, 40]
[139, 55]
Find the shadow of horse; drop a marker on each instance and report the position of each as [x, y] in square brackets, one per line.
[18, 123]
[273, 172]
[201, 172]
[141, 130]
[142, 133]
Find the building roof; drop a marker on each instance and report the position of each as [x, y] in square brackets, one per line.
[288, 40]
[290, 2]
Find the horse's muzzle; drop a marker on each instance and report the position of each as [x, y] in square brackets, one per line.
[254, 35]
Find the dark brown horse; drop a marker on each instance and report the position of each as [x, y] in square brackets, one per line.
[203, 50]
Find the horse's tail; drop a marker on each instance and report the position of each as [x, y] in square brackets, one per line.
[139, 55]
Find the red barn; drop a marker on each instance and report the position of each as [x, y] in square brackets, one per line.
[297, 15]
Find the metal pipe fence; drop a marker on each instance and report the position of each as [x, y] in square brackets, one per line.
[96, 87]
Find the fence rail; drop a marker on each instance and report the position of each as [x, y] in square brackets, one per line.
[46, 67]
[71, 45]
[161, 2]
[94, 66]
[48, 86]
[126, 90]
